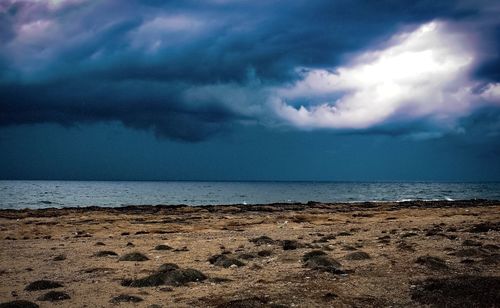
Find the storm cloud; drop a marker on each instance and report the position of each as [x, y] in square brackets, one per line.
[188, 70]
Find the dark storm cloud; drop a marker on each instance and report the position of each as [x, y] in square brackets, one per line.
[187, 70]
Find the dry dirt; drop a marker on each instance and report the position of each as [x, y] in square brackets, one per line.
[405, 254]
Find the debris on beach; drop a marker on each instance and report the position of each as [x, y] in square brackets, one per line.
[134, 256]
[43, 285]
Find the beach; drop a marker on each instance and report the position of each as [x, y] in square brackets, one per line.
[371, 254]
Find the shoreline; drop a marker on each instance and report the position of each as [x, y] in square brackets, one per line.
[373, 254]
[265, 207]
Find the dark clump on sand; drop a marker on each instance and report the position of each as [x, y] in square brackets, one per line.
[219, 280]
[461, 291]
[247, 256]
[431, 262]
[224, 261]
[181, 277]
[330, 296]
[406, 246]
[169, 274]
[325, 238]
[471, 243]
[252, 302]
[59, 258]
[153, 280]
[105, 253]
[312, 254]
[163, 247]
[124, 298]
[264, 253]
[344, 233]
[358, 255]
[54, 296]
[134, 256]
[19, 304]
[319, 260]
[43, 285]
[290, 245]
[469, 252]
[262, 240]
[485, 227]
[167, 267]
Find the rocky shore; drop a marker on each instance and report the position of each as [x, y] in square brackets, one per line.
[399, 254]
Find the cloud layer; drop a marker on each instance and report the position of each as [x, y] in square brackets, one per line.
[423, 74]
[192, 69]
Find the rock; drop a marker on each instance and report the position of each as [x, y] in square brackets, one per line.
[409, 234]
[19, 304]
[322, 262]
[358, 255]
[431, 262]
[290, 245]
[491, 247]
[467, 261]
[264, 253]
[167, 267]
[54, 296]
[153, 280]
[406, 246]
[124, 298]
[262, 240]
[330, 296]
[246, 256]
[252, 302]
[134, 256]
[469, 252]
[313, 253]
[105, 253]
[176, 277]
[344, 233]
[349, 248]
[59, 258]
[325, 238]
[219, 280]
[471, 243]
[224, 261]
[459, 291]
[43, 285]
[163, 247]
[485, 227]
[183, 276]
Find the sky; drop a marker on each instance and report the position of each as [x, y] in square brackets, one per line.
[325, 90]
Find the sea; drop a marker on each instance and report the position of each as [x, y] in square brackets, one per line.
[58, 194]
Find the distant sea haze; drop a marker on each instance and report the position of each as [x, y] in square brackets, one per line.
[43, 194]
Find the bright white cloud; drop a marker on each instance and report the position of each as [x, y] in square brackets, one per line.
[422, 74]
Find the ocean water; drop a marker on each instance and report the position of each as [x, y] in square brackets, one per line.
[42, 194]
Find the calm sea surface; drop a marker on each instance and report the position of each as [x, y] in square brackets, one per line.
[40, 194]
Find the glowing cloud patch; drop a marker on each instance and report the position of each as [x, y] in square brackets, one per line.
[422, 74]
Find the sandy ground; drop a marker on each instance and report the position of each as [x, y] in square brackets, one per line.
[457, 242]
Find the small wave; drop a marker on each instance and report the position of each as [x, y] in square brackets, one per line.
[406, 200]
